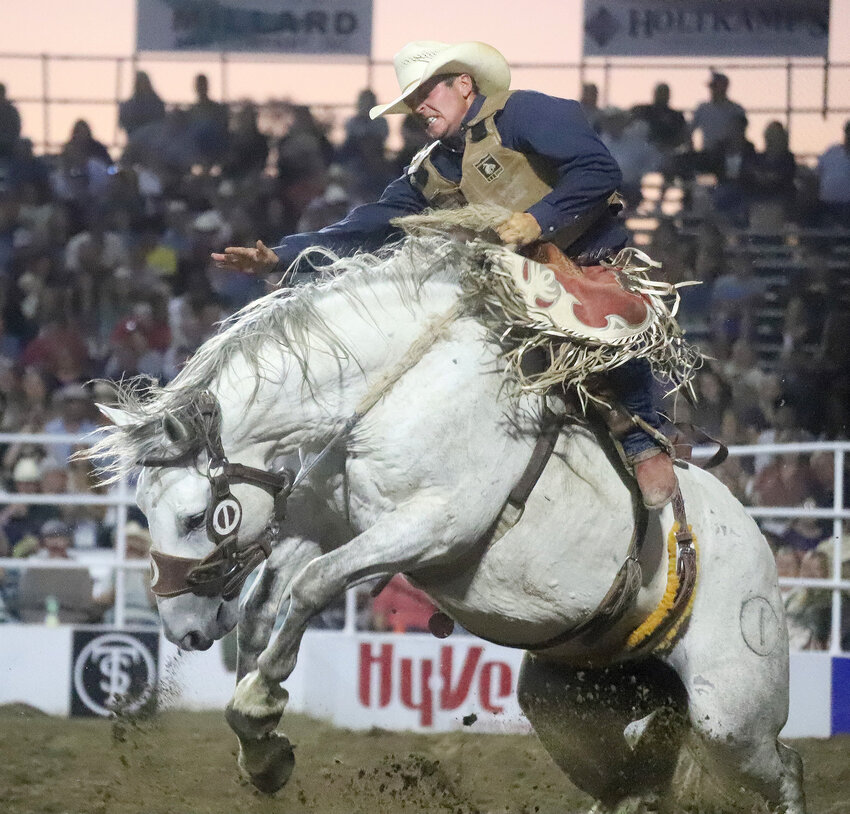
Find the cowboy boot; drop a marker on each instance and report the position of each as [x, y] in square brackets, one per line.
[635, 424]
[655, 478]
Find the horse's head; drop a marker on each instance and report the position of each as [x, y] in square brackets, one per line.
[211, 521]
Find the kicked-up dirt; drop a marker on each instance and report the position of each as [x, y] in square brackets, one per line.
[185, 763]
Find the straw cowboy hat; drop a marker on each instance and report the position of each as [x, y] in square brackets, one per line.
[418, 61]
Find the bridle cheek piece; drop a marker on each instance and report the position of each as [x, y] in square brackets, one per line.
[224, 570]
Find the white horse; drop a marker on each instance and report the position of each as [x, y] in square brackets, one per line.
[428, 443]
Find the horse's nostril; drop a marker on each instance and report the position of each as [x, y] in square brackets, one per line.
[195, 641]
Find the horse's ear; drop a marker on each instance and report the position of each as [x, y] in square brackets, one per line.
[120, 418]
[175, 430]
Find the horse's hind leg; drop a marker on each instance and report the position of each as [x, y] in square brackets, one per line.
[616, 731]
[738, 703]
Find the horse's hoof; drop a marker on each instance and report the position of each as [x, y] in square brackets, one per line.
[268, 761]
[248, 726]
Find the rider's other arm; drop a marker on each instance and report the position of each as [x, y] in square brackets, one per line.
[557, 129]
[365, 228]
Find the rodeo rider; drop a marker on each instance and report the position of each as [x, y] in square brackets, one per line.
[550, 169]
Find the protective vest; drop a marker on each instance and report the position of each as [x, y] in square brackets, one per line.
[490, 172]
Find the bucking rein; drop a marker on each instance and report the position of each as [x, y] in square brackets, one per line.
[225, 569]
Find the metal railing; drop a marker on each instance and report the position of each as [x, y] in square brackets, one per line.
[122, 499]
[799, 86]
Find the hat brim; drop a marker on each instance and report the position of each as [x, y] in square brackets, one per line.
[482, 62]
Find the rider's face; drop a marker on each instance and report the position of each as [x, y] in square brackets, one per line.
[442, 105]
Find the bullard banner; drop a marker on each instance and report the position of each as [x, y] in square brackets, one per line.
[278, 26]
[706, 28]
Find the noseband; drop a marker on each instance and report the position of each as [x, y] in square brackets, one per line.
[224, 570]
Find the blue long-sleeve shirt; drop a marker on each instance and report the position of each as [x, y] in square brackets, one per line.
[531, 123]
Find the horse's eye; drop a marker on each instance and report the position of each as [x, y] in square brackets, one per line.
[194, 522]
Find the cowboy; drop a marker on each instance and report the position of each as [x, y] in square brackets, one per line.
[533, 153]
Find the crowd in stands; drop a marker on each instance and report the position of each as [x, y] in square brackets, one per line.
[105, 273]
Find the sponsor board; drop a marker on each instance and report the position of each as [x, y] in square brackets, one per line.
[112, 670]
[281, 26]
[360, 681]
[706, 27]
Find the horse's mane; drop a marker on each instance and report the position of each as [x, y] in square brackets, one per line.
[289, 317]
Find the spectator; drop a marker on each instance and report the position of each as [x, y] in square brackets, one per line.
[769, 180]
[804, 533]
[60, 342]
[731, 161]
[626, 140]
[785, 481]
[52, 595]
[799, 331]
[589, 101]
[401, 608]
[363, 153]
[303, 157]
[82, 174]
[10, 125]
[143, 107]
[668, 132]
[95, 251]
[248, 148]
[83, 145]
[734, 298]
[834, 182]
[362, 131]
[36, 398]
[20, 523]
[27, 168]
[717, 119]
[74, 405]
[331, 206]
[808, 611]
[139, 601]
[712, 402]
[208, 124]
[744, 376]
[136, 349]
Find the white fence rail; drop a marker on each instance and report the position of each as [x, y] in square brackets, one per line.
[122, 499]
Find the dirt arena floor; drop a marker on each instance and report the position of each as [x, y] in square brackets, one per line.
[185, 763]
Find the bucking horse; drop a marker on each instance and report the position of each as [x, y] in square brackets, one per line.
[368, 424]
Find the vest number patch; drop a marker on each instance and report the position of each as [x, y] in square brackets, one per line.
[489, 167]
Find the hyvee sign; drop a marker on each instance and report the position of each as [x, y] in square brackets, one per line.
[706, 27]
[282, 26]
[461, 678]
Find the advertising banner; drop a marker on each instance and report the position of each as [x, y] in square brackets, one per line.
[277, 26]
[112, 671]
[706, 28]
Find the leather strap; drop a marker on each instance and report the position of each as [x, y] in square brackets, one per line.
[686, 571]
[550, 430]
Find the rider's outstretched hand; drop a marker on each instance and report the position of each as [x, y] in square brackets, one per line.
[258, 260]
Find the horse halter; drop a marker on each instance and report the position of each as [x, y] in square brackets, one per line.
[224, 570]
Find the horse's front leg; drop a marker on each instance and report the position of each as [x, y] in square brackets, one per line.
[266, 756]
[402, 540]
[261, 605]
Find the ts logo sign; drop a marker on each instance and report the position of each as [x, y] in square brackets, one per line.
[112, 668]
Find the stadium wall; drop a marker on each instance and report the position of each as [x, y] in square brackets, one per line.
[359, 681]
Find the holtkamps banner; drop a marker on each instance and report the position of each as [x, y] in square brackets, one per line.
[706, 28]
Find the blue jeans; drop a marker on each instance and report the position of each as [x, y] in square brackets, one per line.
[634, 385]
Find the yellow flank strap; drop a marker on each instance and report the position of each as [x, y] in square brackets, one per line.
[664, 607]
